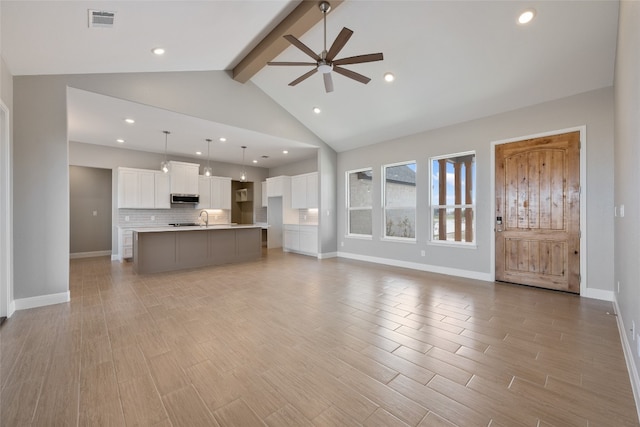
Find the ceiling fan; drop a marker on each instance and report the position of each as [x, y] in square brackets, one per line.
[325, 62]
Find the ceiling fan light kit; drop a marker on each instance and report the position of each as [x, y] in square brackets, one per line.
[324, 62]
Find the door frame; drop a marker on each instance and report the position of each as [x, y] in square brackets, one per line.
[7, 305]
[583, 198]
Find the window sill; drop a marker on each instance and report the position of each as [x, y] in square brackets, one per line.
[399, 240]
[358, 236]
[453, 245]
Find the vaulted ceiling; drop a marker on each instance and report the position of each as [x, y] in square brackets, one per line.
[453, 60]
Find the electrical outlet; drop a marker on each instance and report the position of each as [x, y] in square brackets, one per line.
[126, 218]
[341, 243]
[153, 217]
[423, 253]
[95, 213]
[621, 211]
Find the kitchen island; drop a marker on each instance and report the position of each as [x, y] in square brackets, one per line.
[164, 249]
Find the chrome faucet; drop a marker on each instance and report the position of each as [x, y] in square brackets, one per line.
[206, 219]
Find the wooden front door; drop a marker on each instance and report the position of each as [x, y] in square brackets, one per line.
[538, 212]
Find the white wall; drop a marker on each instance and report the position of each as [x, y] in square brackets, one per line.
[627, 177]
[40, 141]
[593, 109]
[6, 222]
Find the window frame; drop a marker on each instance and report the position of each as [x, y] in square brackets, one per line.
[348, 207]
[383, 200]
[473, 206]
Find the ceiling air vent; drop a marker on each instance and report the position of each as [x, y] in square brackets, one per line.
[101, 19]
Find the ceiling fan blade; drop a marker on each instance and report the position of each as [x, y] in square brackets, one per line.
[293, 63]
[303, 77]
[328, 82]
[351, 74]
[359, 59]
[303, 47]
[339, 43]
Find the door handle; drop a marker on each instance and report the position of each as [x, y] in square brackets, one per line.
[498, 224]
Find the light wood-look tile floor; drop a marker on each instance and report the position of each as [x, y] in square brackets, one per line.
[293, 341]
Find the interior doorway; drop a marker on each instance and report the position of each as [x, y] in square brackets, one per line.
[537, 212]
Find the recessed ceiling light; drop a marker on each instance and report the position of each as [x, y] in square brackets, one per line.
[199, 153]
[255, 161]
[130, 121]
[526, 16]
[223, 139]
[317, 110]
[285, 152]
[120, 141]
[158, 51]
[389, 77]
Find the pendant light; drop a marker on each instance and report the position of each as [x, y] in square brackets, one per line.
[164, 166]
[207, 170]
[243, 177]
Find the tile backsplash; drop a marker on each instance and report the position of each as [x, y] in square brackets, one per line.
[308, 216]
[162, 217]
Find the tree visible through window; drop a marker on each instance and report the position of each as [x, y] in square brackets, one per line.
[453, 198]
[400, 200]
[359, 202]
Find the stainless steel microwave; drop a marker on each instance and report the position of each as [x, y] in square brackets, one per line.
[185, 198]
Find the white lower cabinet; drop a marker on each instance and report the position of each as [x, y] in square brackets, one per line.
[125, 241]
[302, 239]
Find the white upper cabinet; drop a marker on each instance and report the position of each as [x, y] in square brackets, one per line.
[215, 192]
[184, 177]
[204, 190]
[162, 190]
[276, 185]
[142, 189]
[304, 191]
[220, 192]
[147, 189]
[265, 198]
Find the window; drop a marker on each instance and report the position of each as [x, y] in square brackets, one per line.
[453, 197]
[400, 200]
[359, 202]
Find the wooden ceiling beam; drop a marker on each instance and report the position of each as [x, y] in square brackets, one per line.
[298, 22]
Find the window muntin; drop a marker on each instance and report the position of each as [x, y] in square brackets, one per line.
[359, 206]
[399, 195]
[453, 198]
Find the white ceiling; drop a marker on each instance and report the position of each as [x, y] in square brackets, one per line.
[454, 60]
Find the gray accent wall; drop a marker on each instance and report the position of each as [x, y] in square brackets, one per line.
[593, 109]
[627, 177]
[89, 209]
[41, 253]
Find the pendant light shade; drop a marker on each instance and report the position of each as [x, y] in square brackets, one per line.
[207, 170]
[243, 177]
[164, 166]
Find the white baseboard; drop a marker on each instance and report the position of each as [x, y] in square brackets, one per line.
[327, 255]
[11, 309]
[628, 356]
[417, 266]
[89, 254]
[42, 300]
[598, 294]
[115, 257]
